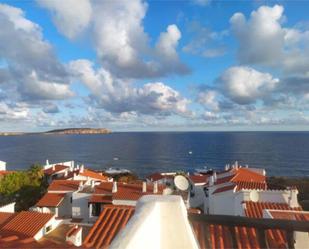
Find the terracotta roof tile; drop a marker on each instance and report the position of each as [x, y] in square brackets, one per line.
[224, 179]
[290, 215]
[250, 185]
[247, 175]
[58, 168]
[159, 176]
[110, 222]
[223, 189]
[93, 174]
[104, 188]
[50, 200]
[25, 224]
[64, 185]
[199, 178]
[5, 217]
[275, 238]
[134, 191]
[5, 172]
[101, 199]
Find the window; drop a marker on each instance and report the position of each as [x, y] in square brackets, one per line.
[48, 228]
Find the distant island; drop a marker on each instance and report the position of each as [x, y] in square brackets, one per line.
[62, 131]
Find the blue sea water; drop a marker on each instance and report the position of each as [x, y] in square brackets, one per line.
[280, 153]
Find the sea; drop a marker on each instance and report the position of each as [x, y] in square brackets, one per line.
[280, 153]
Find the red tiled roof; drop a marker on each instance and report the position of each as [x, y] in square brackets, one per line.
[110, 222]
[276, 238]
[159, 176]
[5, 172]
[134, 191]
[5, 217]
[50, 200]
[93, 174]
[58, 168]
[104, 188]
[25, 224]
[289, 215]
[247, 175]
[199, 178]
[223, 189]
[219, 237]
[255, 209]
[251, 185]
[224, 179]
[64, 185]
[101, 199]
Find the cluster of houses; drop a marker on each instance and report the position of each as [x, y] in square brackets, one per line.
[88, 209]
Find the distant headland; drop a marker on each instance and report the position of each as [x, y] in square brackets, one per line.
[62, 131]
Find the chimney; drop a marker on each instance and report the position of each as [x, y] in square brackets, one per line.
[92, 184]
[211, 181]
[155, 187]
[74, 175]
[144, 187]
[215, 176]
[236, 165]
[226, 168]
[82, 167]
[65, 173]
[53, 167]
[80, 185]
[47, 162]
[293, 203]
[115, 189]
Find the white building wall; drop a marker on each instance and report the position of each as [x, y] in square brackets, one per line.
[2, 165]
[124, 202]
[9, 208]
[53, 223]
[80, 206]
[222, 203]
[65, 208]
[199, 197]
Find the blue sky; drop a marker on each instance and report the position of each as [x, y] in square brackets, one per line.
[154, 65]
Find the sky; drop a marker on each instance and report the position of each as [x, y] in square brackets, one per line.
[190, 65]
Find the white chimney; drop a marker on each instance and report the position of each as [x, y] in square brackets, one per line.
[47, 162]
[92, 184]
[236, 165]
[82, 167]
[80, 185]
[211, 181]
[215, 176]
[144, 187]
[53, 167]
[155, 187]
[226, 168]
[74, 175]
[115, 189]
[293, 203]
[65, 173]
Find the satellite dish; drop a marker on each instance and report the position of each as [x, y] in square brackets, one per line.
[167, 191]
[254, 196]
[181, 182]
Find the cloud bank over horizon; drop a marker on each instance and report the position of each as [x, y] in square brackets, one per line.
[122, 66]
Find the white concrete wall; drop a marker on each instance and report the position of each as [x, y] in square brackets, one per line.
[9, 208]
[80, 206]
[2, 165]
[199, 197]
[53, 223]
[158, 222]
[222, 203]
[68, 163]
[124, 202]
[65, 208]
